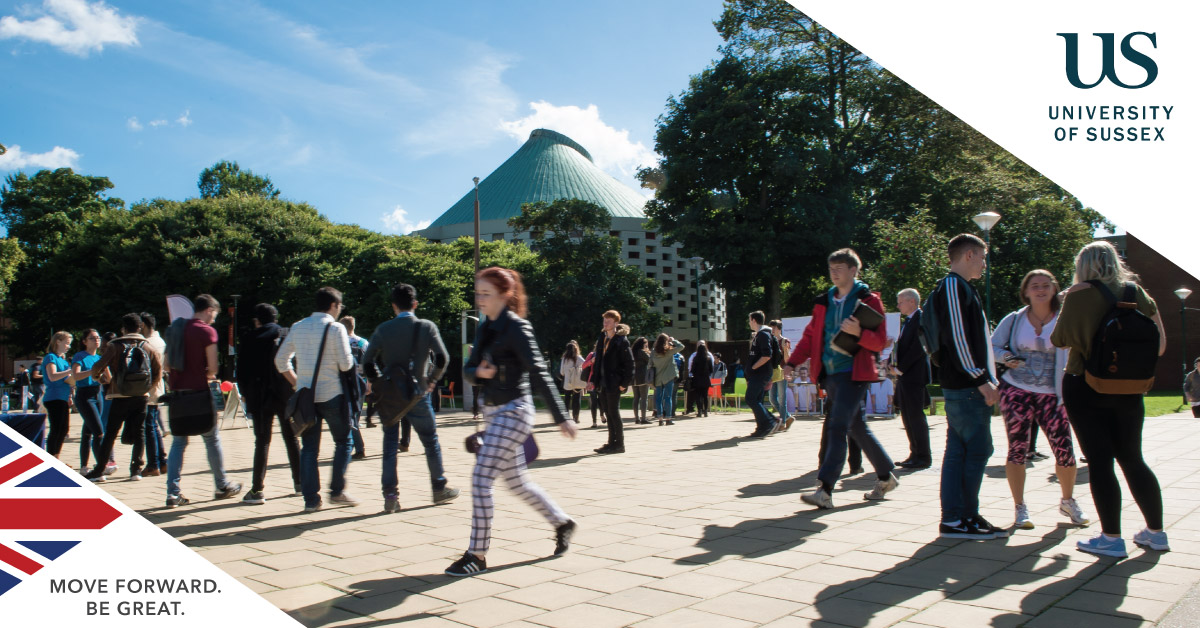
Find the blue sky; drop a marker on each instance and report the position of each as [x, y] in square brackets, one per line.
[376, 113]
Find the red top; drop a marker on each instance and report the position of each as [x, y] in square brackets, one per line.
[197, 336]
[812, 343]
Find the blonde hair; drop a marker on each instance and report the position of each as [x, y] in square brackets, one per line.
[1099, 260]
[58, 337]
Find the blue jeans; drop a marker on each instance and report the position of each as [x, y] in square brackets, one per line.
[422, 420]
[779, 397]
[846, 420]
[87, 403]
[664, 400]
[356, 437]
[216, 460]
[968, 447]
[156, 453]
[756, 392]
[334, 412]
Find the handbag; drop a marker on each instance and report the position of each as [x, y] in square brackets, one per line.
[190, 412]
[474, 443]
[396, 391]
[302, 405]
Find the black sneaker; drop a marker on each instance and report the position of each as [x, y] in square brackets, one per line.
[964, 530]
[983, 524]
[174, 501]
[468, 565]
[562, 536]
[610, 449]
[231, 489]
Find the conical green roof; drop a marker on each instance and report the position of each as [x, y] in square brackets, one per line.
[549, 166]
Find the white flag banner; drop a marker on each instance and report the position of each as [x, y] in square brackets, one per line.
[1101, 97]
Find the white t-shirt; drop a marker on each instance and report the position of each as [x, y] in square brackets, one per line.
[1037, 373]
[877, 397]
[805, 395]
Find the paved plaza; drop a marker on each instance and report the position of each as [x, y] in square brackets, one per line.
[694, 526]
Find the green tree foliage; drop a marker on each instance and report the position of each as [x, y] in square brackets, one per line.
[224, 178]
[583, 275]
[11, 259]
[911, 255]
[42, 211]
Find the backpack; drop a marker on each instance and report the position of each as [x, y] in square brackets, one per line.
[133, 376]
[776, 352]
[277, 385]
[573, 376]
[357, 351]
[929, 333]
[1124, 348]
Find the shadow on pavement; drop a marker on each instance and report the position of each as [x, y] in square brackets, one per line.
[743, 540]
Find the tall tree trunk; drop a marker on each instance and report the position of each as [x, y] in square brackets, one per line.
[773, 288]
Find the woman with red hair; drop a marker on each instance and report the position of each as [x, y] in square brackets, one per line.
[505, 361]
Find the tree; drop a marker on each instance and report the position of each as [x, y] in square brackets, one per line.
[224, 178]
[583, 275]
[11, 259]
[42, 211]
[911, 255]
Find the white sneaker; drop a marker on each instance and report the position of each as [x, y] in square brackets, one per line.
[882, 487]
[818, 498]
[1022, 521]
[1072, 511]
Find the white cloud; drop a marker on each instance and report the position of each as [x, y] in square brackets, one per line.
[133, 124]
[185, 119]
[75, 26]
[611, 149]
[397, 222]
[154, 124]
[468, 108]
[58, 157]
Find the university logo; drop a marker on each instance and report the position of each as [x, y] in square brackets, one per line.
[1108, 58]
[35, 498]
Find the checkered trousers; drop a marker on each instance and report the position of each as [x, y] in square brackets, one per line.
[503, 455]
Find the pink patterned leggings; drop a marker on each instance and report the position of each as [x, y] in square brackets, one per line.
[1020, 409]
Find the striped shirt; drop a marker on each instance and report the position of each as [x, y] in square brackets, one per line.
[974, 366]
[303, 341]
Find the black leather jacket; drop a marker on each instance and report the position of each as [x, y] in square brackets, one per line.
[509, 344]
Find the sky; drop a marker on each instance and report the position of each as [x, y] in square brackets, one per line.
[376, 113]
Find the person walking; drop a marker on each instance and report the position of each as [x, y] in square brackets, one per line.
[968, 377]
[506, 363]
[845, 377]
[758, 376]
[305, 342]
[1191, 388]
[358, 384]
[911, 366]
[192, 363]
[266, 392]
[700, 376]
[129, 391]
[574, 384]
[1109, 426]
[411, 343]
[662, 361]
[778, 379]
[612, 373]
[87, 398]
[156, 451]
[641, 380]
[57, 394]
[1031, 392]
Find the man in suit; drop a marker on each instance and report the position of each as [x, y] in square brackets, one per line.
[911, 366]
[612, 373]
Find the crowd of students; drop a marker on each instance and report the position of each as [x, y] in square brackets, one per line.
[1042, 348]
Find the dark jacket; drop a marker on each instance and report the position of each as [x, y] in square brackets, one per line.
[258, 379]
[641, 369]
[964, 336]
[909, 356]
[509, 345]
[700, 374]
[812, 343]
[392, 344]
[613, 368]
[760, 347]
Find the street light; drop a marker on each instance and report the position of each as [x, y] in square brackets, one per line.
[986, 221]
[476, 180]
[696, 262]
[1183, 294]
[232, 339]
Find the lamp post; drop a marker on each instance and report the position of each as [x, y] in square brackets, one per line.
[696, 262]
[233, 333]
[986, 221]
[1183, 294]
[476, 180]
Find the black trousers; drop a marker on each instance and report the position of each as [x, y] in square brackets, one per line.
[700, 397]
[264, 416]
[58, 413]
[1109, 428]
[916, 425]
[597, 405]
[610, 403]
[572, 400]
[127, 419]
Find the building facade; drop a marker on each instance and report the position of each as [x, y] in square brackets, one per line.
[551, 166]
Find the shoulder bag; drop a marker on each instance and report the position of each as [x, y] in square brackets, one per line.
[302, 405]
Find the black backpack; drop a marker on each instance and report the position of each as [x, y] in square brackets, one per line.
[776, 352]
[133, 376]
[1124, 348]
[929, 334]
[277, 385]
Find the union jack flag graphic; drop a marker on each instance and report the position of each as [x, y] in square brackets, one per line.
[43, 511]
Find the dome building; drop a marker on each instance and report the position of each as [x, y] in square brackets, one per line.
[552, 166]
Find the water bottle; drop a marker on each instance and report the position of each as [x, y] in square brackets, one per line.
[4, 403]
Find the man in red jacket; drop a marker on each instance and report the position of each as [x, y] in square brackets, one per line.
[845, 376]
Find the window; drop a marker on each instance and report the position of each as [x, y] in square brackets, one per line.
[682, 317]
[682, 264]
[633, 241]
[650, 261]
[634, 255]
[650, 248]
[683, 304]
[666, 257]
[682, 277]
[615, 234]
[666, 283]
[682, 289]
[497, 236]
[667, 310]
[650, 275]
[650, 235]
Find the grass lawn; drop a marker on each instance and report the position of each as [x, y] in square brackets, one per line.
[1162, 402]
